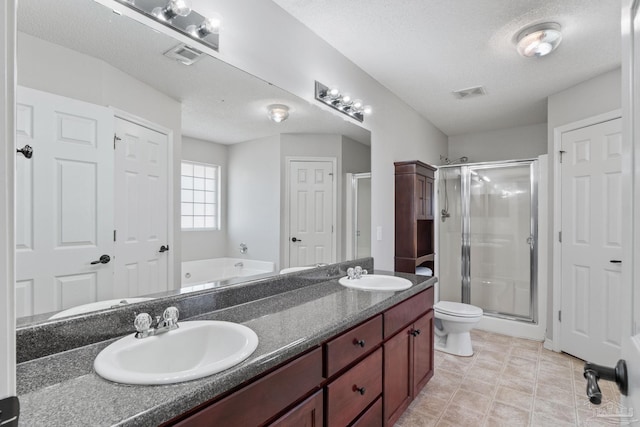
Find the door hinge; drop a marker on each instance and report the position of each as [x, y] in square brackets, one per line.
[559, 315]
[560, 236]
[115, 139]
[114, 235]
[561, 153]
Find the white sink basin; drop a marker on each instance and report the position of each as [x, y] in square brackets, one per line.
[195, 350]
[376, 282]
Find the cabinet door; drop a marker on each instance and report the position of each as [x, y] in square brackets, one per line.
[307, 414]
[428, 198]
[397, 364]
[422, 352]
[421, 197]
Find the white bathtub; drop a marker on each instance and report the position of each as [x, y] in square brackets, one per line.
[217, 269]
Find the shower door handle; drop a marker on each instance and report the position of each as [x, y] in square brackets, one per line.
[530, 241]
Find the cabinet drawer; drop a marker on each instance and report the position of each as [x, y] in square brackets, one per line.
[371, 418]
[354, 390]
[407, 311]
[265, 398]
[352, 344]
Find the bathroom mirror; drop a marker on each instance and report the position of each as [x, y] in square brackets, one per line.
[74, 55]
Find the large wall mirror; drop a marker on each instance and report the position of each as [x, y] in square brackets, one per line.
[133, 150]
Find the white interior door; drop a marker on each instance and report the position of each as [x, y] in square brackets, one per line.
[311, 213]
[592, 236]
[141, 206]
[630, 299]
[64, 203]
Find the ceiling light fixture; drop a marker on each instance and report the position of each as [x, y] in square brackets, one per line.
[278, 112]
[539, 40]
[178, 15]
[344, 103]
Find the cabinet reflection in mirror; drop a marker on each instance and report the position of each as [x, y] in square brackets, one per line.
[157, 165]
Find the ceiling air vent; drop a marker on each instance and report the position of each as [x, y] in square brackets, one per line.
[183, 53]
[469, 92]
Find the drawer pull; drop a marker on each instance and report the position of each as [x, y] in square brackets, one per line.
[361, 343]
[360, 390]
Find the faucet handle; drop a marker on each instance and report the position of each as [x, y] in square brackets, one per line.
[171, 314]
[142, 324]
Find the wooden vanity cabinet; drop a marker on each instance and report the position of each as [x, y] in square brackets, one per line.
[365, 377]
[414, 216]
[408, 353]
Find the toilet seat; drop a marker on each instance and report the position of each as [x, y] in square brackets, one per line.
[457, 309]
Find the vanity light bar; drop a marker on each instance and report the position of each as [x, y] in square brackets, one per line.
[176, 15]
[342, 102]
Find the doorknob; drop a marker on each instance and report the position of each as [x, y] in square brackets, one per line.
[26, 151]
[295, 239]
[104, 259]
[593, 373]
[164, 248]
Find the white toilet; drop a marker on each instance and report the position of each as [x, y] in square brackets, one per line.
[454, 321]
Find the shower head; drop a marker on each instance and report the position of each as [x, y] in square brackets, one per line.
[447, 161]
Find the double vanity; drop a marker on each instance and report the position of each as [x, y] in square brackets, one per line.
[326, 354]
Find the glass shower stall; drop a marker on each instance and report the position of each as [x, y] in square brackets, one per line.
[488, 237]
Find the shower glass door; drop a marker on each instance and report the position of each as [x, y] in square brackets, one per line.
[487, 237]
[499, 236]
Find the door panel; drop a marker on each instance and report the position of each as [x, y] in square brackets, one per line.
[311, 213]
[141, 220]
[591, 238]
[64, 209]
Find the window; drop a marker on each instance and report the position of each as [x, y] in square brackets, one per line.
[200, 187]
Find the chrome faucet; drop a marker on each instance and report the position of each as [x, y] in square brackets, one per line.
[239, 264]
[356, 273]
[243, 248]
[168, 322]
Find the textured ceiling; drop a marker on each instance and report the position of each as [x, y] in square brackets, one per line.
[219, 102]
[423, 50]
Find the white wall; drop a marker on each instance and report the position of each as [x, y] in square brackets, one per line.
[7, 168]
[210, 243]
[52, 68]
[522, 142]
[254, 199]
[598, 95]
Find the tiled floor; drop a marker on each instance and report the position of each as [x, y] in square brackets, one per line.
[508, 382]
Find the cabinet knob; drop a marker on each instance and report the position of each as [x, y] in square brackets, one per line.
[360, 390]
[361, 343]
[415, 332]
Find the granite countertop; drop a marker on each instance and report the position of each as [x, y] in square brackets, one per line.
[63, 390]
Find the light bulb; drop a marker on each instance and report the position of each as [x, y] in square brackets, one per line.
[172, 9]
[357, 104]
[333, 93]
[210, 25]
[367, 109]
[346, 100]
